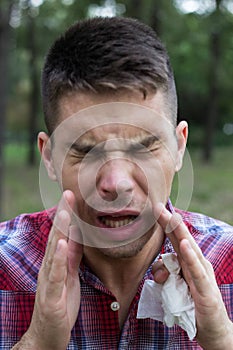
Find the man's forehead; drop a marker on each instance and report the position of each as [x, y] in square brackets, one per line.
[114, 131]
[113, 120]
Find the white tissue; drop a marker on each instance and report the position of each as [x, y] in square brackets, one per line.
[170, 302]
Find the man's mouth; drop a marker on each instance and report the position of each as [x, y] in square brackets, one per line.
[116, 221]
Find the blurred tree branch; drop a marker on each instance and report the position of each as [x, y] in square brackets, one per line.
[5, 14]
[213, 101]
[34, 83]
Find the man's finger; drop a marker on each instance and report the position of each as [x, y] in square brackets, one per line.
[58, 273]
[60, 228]
[66, 203]
[160, 272]
[63, 218]
[163, 218]
[75, 249]
[199, 271]
[175, 229]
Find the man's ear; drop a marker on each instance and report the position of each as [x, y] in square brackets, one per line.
[45, 148]
[182, 136]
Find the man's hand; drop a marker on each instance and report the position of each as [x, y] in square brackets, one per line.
[58, 292]
[215, 330]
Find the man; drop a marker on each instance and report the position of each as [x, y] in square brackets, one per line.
[113, 147]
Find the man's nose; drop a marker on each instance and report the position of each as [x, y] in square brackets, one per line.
[115, 179]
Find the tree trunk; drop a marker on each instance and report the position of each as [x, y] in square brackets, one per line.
[135, 9]
[154, 19]
[34, 95]
[213, 109]
[5, 12]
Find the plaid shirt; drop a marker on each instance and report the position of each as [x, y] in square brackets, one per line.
[23, 242]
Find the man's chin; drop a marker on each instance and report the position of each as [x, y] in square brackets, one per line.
[128, 250]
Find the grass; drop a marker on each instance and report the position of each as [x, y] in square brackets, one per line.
[21, 188]
[212, 192]
[213, 185]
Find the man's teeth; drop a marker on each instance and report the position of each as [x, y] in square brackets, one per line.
[116, 223]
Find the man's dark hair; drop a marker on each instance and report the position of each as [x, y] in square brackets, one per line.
[104, 55]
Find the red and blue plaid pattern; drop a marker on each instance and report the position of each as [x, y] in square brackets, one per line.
[22, 246]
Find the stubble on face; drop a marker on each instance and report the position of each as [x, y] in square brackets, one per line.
[128, 250]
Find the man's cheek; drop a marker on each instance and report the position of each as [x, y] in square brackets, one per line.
[156, 179]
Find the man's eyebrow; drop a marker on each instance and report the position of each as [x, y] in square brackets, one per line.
[147, 141]
[137, 142]
[82, 147]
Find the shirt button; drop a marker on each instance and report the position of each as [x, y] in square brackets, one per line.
[115, 306]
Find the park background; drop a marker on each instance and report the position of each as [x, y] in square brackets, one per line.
[199, 38]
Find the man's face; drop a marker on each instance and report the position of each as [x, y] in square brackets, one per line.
[119, 159]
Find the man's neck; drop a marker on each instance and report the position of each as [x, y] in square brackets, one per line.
[116, 272]
[122, 276]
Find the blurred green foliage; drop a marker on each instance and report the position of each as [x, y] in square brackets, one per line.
[187, 37]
